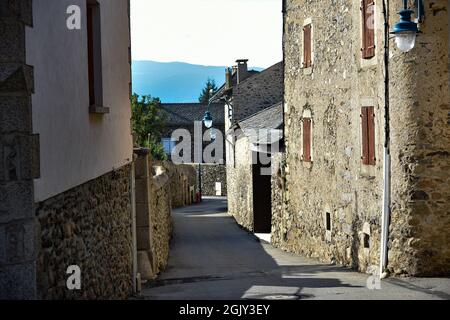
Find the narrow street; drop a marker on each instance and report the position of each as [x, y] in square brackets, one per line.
[212, 258]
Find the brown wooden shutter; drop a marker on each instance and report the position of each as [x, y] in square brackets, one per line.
[368, 30]
[371, 134]
[365, 136]
[368, 135]
[307, 139]
[307, 46]
[90, 35]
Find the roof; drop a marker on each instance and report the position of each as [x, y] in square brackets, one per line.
[258, 92]
[269, 118]
[186, 113]
[264, 127]
[222, 90]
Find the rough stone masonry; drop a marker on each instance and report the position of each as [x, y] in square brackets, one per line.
[332, 205]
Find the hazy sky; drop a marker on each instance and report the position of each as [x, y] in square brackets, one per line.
[208, 32]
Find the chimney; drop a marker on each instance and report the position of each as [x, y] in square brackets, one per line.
[242, 71]
[228, 78]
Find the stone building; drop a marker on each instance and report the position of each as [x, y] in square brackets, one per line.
[258, 142]
[185, 116]
[252, 103]
[65, 148]
[336, 104]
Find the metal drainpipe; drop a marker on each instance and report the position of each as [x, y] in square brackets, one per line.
[133, 223]
[385, 218]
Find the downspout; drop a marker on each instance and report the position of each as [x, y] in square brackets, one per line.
[385, 218]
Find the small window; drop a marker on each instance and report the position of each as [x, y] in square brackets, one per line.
[307, 138]
[366, 241]
[328, 222]
[94, 54]
[368, 28]
[307, 46]
[168, 145]
[368, 135]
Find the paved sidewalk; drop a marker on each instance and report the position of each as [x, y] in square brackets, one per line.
[213, 259]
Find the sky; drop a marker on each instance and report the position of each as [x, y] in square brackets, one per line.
[207, 32]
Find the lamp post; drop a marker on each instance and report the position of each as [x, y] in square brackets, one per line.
[406, 30]
[208, 122]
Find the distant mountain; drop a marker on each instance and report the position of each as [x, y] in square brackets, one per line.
[174, 81]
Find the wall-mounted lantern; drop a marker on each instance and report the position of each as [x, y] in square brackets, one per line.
[208, 120]
[406, 30]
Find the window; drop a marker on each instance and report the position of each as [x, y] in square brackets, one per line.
[307, 46]
[368, 135]
[94, 56]
[368, 28]
[307, 136]
[168, 145]
[328, 221]
[366, 241]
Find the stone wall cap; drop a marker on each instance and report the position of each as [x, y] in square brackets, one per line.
[141, 151]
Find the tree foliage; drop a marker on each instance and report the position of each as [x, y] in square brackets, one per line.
[208, 91]
[148, 123]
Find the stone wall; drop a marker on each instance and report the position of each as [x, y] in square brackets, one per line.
[19, 156]
[336, 184]
[88, 226]
[160, 186]
[279, 220]
[420, 228]
[211, 174]
[183, 182]
[161, 210]
[239, 184]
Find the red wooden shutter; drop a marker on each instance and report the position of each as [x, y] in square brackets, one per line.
[365, 136]
[307, 139]
[368, 28]
[368, 135]
[371, 134]
[90, 35]
[307, 46]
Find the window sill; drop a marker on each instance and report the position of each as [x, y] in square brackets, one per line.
[307, 71]
[368, 171]
[369, 62]
[96, 109]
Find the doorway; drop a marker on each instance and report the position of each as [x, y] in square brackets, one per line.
[262, 197]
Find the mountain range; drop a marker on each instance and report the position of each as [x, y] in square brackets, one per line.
[174, 82]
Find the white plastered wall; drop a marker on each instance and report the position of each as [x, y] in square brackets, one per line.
[76, 146]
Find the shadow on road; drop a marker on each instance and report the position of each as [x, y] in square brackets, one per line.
[212, 258]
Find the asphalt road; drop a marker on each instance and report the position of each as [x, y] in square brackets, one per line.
[213, 259]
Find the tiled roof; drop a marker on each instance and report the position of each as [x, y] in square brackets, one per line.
[222, 89]
[269, 118]
[187, 113]
[264, 127]
[258, 92]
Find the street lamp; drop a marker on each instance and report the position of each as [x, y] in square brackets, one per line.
[405, 31]
[208, 120]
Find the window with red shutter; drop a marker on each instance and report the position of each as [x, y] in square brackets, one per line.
[368, 28]
[368, 135]
[307, 54]
[307, 123]
[94, 53]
